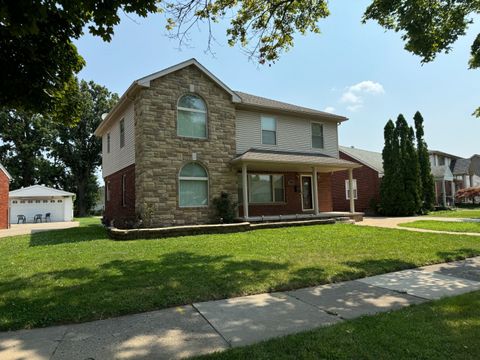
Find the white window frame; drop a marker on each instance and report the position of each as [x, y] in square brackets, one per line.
[347, 189]
[275, 131]
[194, 111]
[323, 134]
[122, 133]
[196, 178]
[272, 187]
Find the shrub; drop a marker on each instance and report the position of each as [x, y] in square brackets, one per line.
[226, 209]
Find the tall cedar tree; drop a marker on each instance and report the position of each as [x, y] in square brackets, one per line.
[412, 176]
[24, 151]
[427, 184]
[76, 146]
[388, 193]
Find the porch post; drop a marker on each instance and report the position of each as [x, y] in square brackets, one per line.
[453, 193]
[444, 194]
[245, 191]
[315, 192]
[350, 190]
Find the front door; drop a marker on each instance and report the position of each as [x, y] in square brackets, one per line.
[307, 198]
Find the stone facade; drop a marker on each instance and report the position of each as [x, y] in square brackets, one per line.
[160, 153]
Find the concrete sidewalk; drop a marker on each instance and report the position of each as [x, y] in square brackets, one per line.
[217, 325]
[394, 222]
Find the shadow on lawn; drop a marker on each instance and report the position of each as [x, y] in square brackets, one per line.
[83, 233]
[458, 254]
[126, 286]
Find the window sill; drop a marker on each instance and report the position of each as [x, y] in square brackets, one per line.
[192, 138]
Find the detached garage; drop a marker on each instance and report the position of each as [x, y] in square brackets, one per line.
[38, 200]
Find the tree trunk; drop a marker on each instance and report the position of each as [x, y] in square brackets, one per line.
[80, 200]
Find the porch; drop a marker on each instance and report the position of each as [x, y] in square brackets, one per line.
[280, 185]
[445, 188]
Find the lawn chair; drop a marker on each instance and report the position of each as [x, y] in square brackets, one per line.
[21, 218]
[47, 217]
[37, 217]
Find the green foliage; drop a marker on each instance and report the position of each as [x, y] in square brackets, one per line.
[427, 183]
[37, 56]
[226, 209]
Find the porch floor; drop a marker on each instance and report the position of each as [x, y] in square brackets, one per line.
[357, 216]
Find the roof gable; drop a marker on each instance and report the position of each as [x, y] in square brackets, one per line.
[368, 158]
[38, 191]
[5, 172]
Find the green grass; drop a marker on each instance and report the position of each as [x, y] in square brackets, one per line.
[78, 274]
[471, 227]
[458, 213]
[444, 329]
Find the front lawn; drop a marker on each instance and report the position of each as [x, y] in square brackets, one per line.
[458, 213]
[445, 329]
[78, 274]
[471, 227]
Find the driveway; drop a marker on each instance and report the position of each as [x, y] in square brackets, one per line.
[25, 229]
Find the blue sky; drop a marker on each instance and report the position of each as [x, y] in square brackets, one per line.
[356, 70]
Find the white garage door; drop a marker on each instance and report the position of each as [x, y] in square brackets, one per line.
[32, 207]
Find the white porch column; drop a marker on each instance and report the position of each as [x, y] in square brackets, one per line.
[453, 193]
[245, 191]
[350, 190]
[444, 194]
[315, 191]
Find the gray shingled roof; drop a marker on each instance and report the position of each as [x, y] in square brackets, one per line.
[258, 101]
[461, 166]
[442, 172]
[371, 159]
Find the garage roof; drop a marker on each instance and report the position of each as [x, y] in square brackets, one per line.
[39, 191]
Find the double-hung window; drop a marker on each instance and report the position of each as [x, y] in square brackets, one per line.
[317, 135]
[347, 189]
[266, 188]
[192, 117]
[122, 133]
[269, 130]
[193, 186]
[108, 143]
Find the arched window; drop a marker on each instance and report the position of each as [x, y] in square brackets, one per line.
[193, 189]
[192, 117]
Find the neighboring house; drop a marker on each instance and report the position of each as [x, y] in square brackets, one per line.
[442, 165]
[5, 179]
[180, 137]
[366, 180]
[41, 200]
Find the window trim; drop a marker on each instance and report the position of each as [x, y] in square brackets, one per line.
[355, 190]
[195, 111]
[122, 133]
[273, 202]
[196, 178]
[323, 135]
[275, 131]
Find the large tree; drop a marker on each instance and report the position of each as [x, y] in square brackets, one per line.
[24, 138]
[76, 146]
[427, 189]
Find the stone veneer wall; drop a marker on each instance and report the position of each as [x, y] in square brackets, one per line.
[160, 153]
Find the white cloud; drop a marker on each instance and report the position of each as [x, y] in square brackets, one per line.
[329, 109]
[353, 95]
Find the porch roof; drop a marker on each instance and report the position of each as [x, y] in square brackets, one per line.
[258, 159]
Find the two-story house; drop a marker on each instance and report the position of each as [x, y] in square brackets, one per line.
[180, 137]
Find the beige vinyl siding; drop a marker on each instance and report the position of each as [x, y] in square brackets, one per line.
[119, 158]
[293, 133]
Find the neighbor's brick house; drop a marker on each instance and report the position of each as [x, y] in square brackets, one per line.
[4, 203]
[180, 137]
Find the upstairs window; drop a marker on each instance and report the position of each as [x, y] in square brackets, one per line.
[347, 192]
[192, 117]
[269, 131]
[122, 133]
[193, 186]
[441, 160]
[108, 143]
[317, 136]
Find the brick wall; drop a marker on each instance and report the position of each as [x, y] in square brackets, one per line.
[368, 187]
[114, 207]
[4, 205]
[293, 198]
[160, 153]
